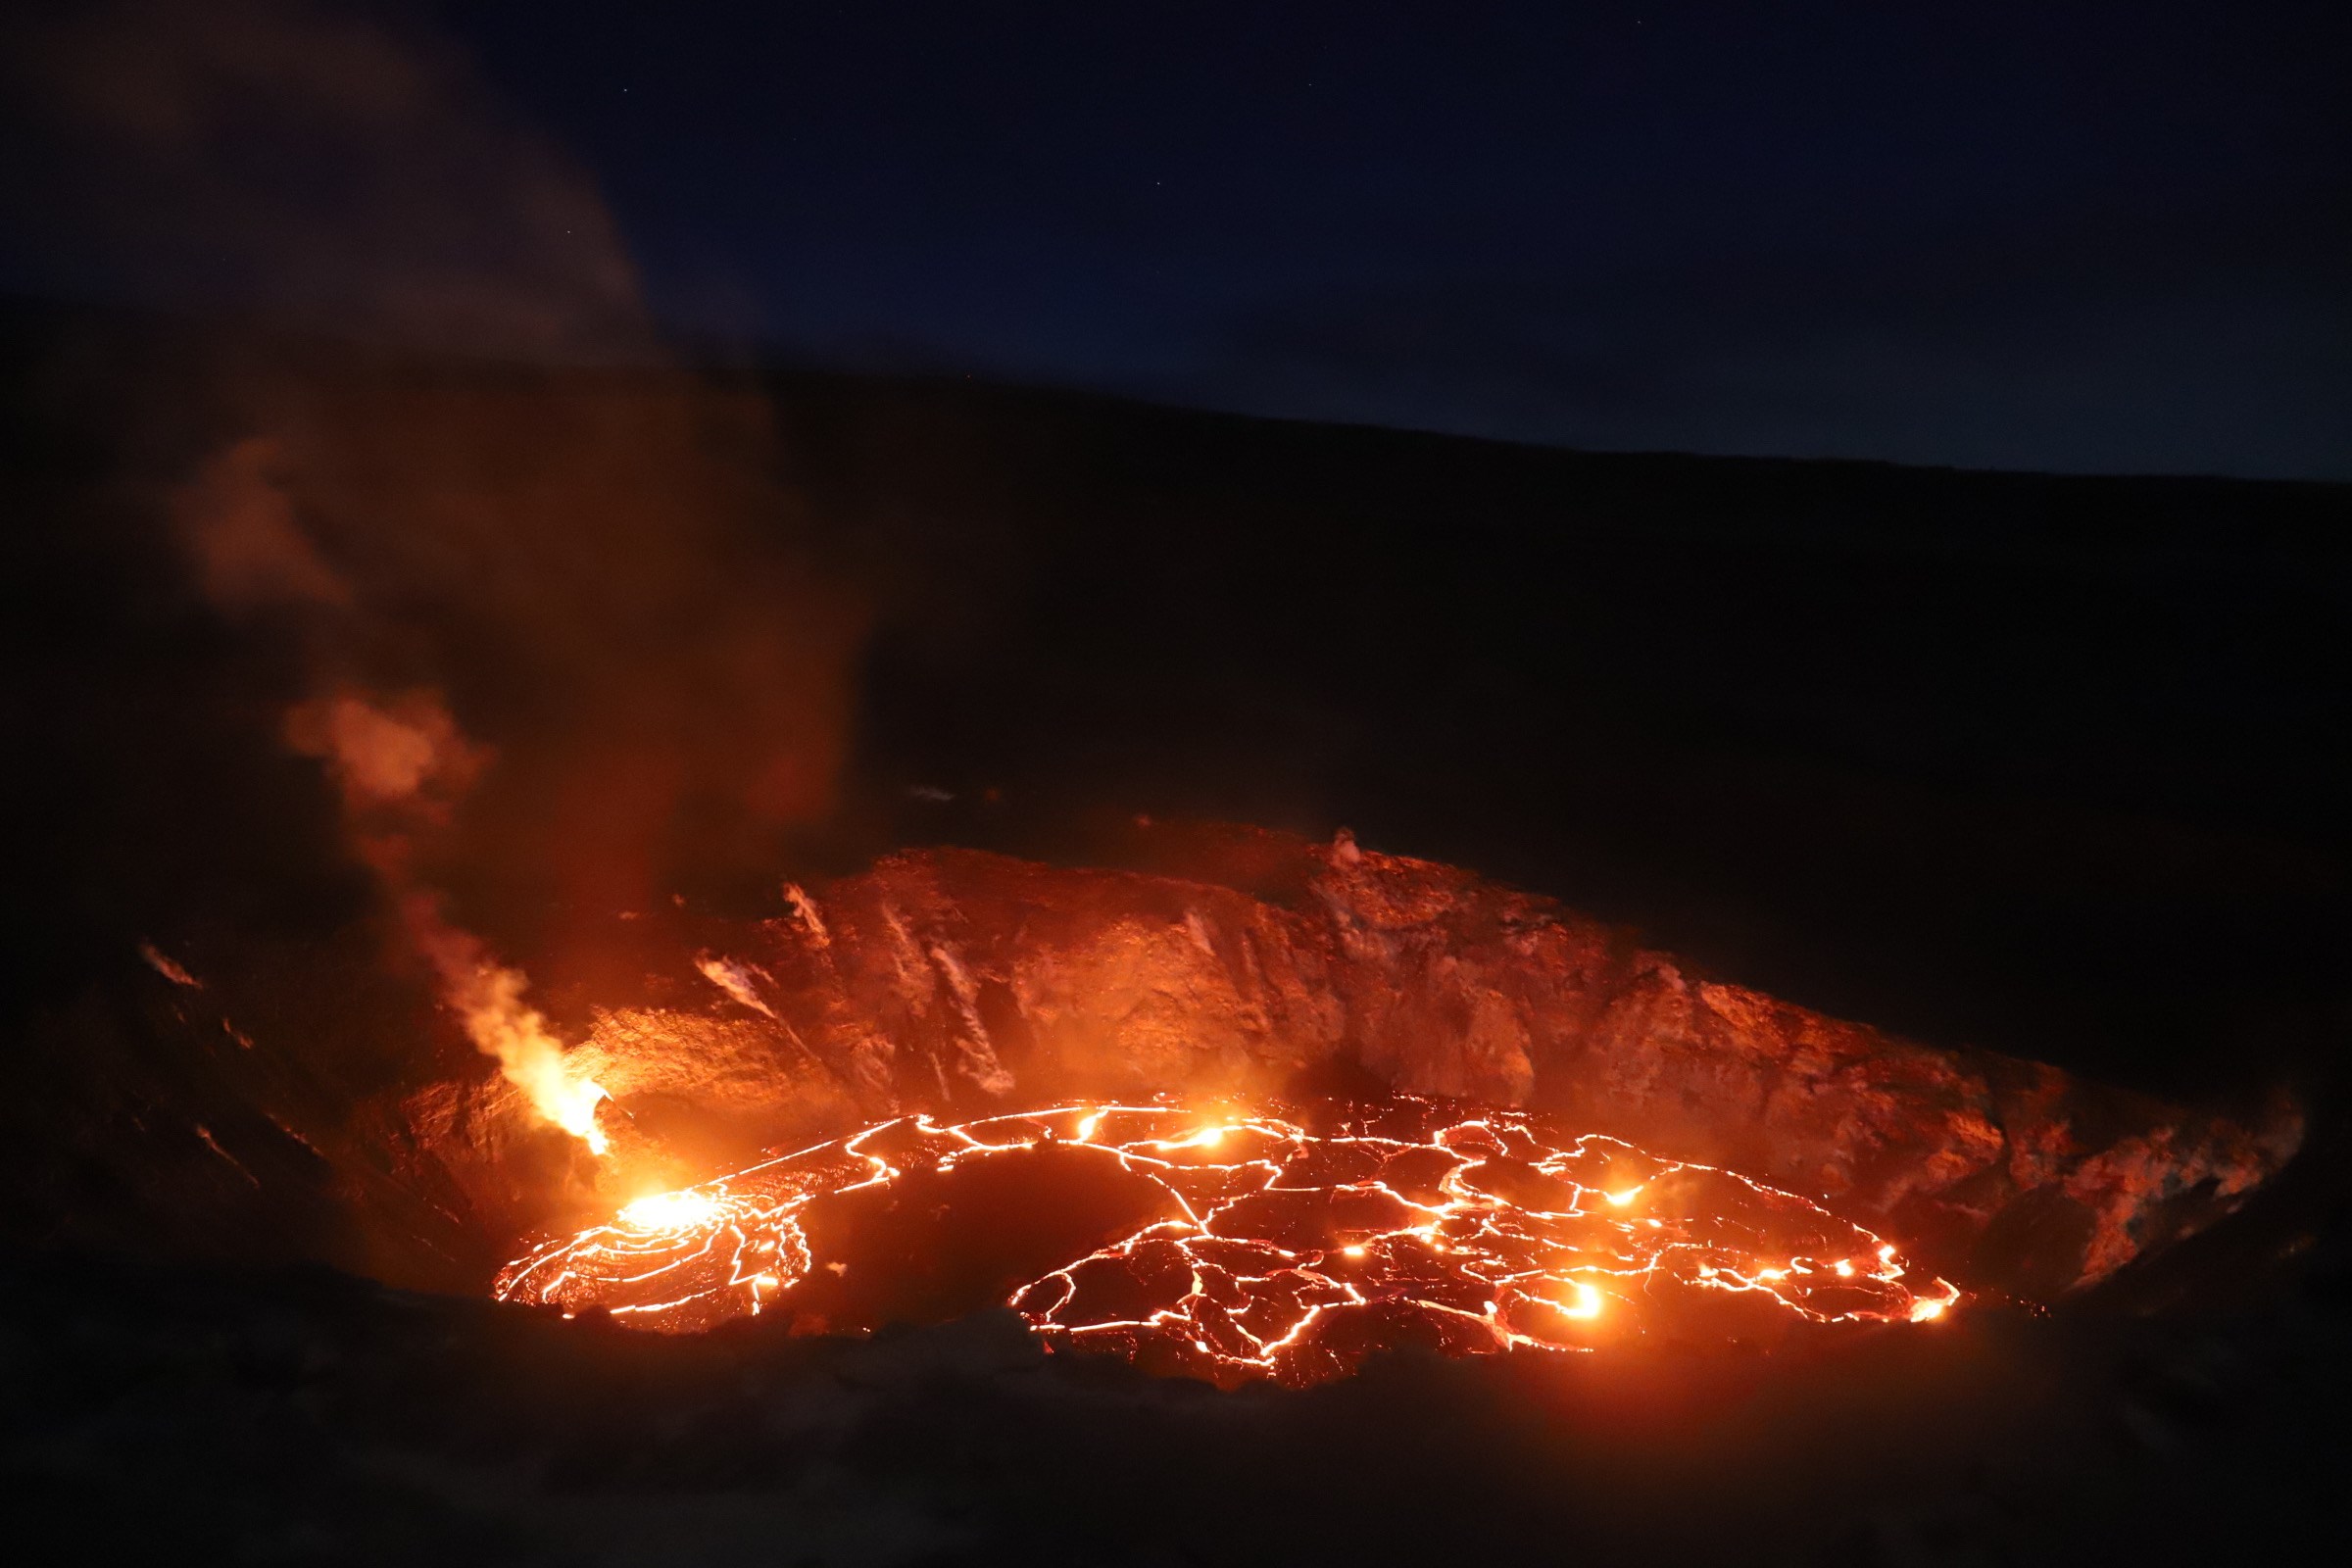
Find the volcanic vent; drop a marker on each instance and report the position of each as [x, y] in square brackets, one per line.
[1285, 1105]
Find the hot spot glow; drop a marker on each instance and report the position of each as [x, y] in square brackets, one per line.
[1260, 1247]
[672, 1211]
[570, 1103]
[489, 1001]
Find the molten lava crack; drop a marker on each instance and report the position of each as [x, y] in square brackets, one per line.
[1241, 1245]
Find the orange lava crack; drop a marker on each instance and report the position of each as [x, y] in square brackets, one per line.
[1280, 1251]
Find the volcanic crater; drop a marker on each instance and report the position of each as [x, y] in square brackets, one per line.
[947, 1034]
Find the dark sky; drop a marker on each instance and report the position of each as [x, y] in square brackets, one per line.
[2076, 236]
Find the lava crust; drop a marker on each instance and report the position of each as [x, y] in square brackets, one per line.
[1237, 1246]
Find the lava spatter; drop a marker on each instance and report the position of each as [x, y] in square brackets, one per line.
[1288, 1244]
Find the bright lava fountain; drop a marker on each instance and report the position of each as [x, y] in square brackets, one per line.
[1241, 1245]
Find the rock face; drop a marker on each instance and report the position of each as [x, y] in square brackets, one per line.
[958, 980]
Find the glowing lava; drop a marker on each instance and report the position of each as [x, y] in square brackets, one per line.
[671, 1212]
[1243, 1246]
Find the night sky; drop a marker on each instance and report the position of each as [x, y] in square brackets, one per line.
[2081, 237]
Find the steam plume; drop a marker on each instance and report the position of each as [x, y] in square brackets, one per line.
[547, 632]
[401, 768]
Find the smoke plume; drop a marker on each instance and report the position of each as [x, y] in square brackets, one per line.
[536, 592]
[337, 167]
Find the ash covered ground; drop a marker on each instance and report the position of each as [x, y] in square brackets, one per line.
[2047, 767]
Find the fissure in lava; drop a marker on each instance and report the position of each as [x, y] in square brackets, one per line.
[1285, 1244]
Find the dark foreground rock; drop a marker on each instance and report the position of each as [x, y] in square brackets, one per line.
[171, 1415]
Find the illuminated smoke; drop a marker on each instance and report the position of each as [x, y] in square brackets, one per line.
[401, 767]
[547, 631]
[488, 999]
[240, 529]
